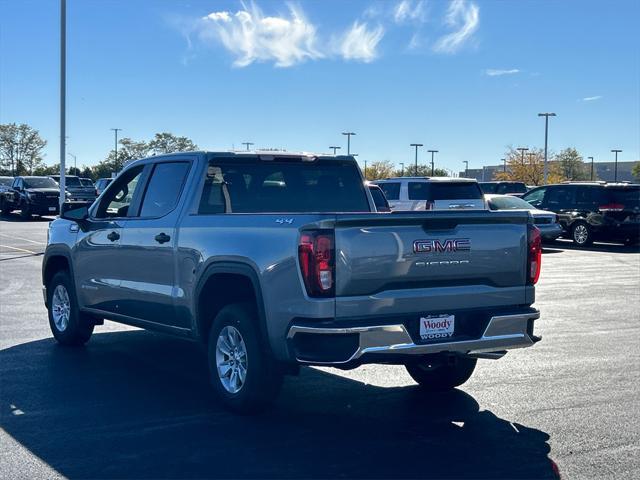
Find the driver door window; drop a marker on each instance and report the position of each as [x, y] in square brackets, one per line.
[118, 200]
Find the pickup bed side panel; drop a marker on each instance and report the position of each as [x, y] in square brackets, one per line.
[268, 243]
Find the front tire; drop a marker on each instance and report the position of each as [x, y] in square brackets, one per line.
[25, 212]
[68, 325]
[243, 373]
[440, 373]
[581, 234]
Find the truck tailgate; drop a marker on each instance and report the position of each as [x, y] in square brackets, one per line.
[411, 262]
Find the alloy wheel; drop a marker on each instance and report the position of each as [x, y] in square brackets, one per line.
[231, 359]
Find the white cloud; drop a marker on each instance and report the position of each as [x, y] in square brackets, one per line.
[360, 42]
[491, 72]
[591, 99]
[409, 11]
[464, 17]
[253, 37]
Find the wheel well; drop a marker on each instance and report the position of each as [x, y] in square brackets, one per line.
[54, 265]
[220, 290]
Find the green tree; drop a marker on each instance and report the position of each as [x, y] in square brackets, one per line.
[635, 171]
[166, 142]
[20, 148]
[571, 165]
[378, 170]
[423, 171]
[44, 170]
[529, 169]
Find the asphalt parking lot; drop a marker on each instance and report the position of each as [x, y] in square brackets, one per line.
[136, 404]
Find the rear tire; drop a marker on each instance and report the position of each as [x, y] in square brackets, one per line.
[581, 234]
[243, 373]
[442, 372]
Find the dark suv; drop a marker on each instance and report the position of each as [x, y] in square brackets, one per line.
[592, 211]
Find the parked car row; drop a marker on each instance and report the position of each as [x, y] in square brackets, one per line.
[39, 195]
[581, 211]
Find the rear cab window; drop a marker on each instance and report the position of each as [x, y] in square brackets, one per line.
[418, 190]
[284, 184]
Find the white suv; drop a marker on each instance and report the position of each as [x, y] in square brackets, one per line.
[432, 193]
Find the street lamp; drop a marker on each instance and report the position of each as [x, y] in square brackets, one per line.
[432, 152]
[522, 150]
[63, 98]
[247, 144]
[416, 145]
[531, 155]
[466, 168]
[504, 167]
[546, 141]
[348, 134]
[335, 148]
[615, 174]
[591, 158]
[115, 131]
[365, 169]
[401, 169]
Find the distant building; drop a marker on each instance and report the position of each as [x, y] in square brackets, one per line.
[601, 171]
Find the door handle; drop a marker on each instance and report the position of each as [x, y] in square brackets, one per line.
[113, 236]
[162, 238]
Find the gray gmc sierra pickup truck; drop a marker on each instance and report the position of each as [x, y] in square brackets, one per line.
[272, 261]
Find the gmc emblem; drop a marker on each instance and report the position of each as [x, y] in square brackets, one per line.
[439, 246]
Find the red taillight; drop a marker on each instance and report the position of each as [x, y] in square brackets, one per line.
[534, 254]
[317, 262]
[611, 207]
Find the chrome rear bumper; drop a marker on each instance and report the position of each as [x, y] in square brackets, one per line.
[503, 332]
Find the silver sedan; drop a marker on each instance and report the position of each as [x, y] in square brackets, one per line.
[547, 222]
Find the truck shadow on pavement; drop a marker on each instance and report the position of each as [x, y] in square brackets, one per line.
[137, 405]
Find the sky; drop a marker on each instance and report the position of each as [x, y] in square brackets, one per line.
[467, 78]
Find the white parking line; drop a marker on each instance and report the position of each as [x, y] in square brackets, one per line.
[19, 249]
[20, 238]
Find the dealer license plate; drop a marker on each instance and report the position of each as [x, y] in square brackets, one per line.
[438, 326]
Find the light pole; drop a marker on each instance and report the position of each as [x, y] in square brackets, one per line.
[115, 131]
[401, 169]
[247, 144]
[615, 171]
[75, 161]
[432, 152]
[63, 97]
[546, 143]
[365, 169]
[348, 134]
[466, 168]
[591, 158]
[504, 165]
[416, 145]
[531, 155]
[522, 150]
[335, 148]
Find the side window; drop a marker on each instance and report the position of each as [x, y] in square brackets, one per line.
[418, 190]
[119, 195]
[163, 190]
[535, 197]
[560, 198]
[391, 190]
[587, 197]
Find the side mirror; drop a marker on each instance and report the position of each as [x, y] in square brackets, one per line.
[76, 211]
